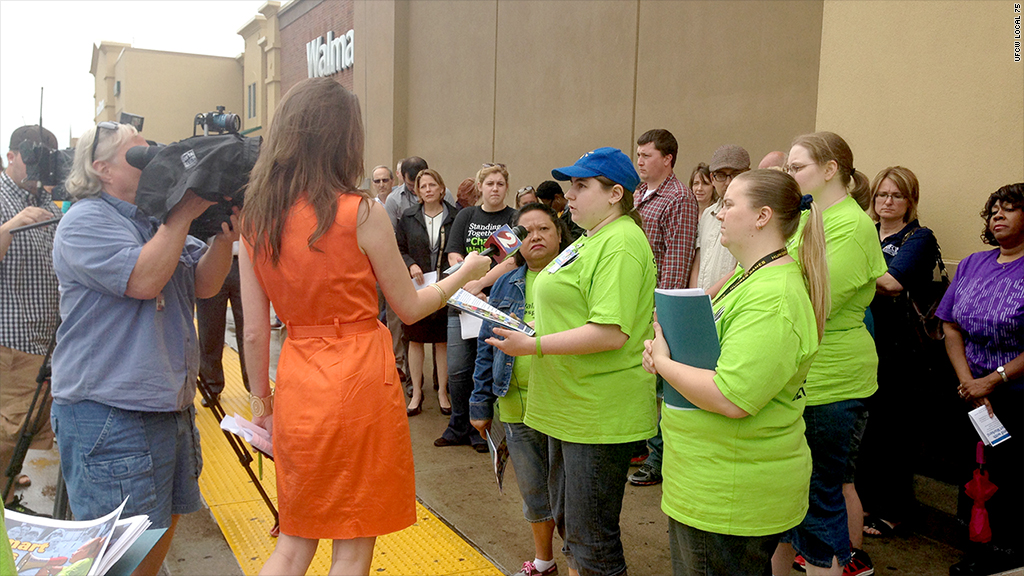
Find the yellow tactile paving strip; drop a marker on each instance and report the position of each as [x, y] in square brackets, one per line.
[428, 547]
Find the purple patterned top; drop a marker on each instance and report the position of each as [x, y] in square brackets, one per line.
[986, 299]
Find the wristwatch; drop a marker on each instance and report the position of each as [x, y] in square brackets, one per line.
[1002, 373]
[261, 406]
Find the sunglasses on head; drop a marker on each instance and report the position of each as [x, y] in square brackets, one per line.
[96, 137]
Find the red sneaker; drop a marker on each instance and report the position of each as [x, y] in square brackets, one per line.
[859, 565]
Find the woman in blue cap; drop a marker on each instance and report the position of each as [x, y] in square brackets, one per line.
[589, 392]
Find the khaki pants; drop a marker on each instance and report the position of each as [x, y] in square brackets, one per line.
[18, 372]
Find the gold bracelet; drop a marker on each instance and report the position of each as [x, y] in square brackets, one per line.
[440, 292]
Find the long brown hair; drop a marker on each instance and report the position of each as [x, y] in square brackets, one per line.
[314, 148]
[780, 192]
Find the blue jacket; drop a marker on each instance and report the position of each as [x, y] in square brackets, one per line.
[493, 370]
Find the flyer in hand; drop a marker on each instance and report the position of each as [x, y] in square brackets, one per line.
[472, 305]
[46, 546]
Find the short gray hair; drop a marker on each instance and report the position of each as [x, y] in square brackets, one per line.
[390, 173]
[84, 180]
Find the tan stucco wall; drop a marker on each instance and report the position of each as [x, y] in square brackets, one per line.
[169, 89]
[534, 84]
[931, 86]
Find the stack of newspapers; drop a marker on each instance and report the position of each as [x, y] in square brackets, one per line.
[45, 546]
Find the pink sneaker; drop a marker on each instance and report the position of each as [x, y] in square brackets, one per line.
[530, 570]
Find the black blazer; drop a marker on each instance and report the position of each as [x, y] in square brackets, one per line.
[414, 243]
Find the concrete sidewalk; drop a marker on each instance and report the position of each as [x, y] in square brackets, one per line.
[458, 485]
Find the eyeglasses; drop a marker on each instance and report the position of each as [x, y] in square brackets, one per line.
[489, 165]
[893, 197]
[722, 176]
[525, 190]
[96, 137]
[381, 180]
[794, 168]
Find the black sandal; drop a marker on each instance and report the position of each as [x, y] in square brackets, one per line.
[882, 527]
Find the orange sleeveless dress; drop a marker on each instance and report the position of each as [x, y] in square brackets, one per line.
[341, 436]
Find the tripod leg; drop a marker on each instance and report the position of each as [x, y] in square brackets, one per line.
[61, 506]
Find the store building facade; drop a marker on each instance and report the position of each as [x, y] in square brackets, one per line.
[535, 84]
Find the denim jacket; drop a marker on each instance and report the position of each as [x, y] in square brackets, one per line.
[493, 370]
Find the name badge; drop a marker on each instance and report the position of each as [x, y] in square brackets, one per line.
[564, 259]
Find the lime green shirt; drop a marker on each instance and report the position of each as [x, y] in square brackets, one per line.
[512, 406]
[6, 554]
[846, 367]
[605, 397]
[748, 476]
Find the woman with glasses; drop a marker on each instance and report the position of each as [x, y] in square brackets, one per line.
[525, 195]
[422, 233]
[983, 314]
[589, 392]
[845, 371]
[472, 227]
[885, 483]
[127, 355]
[712, 262]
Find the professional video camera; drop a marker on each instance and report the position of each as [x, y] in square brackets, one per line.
[218, 121]
[213, 167]
[47, 166]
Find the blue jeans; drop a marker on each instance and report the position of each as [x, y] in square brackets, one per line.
[589, 481]
[824, 532]
[528, 450]
[461, 361]
[108, 454]
[699, 553]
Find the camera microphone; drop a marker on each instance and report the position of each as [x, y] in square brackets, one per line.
[504, 242]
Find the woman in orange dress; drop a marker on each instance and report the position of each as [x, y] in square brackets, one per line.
[316, 247]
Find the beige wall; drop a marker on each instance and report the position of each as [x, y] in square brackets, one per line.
[931, 86]
[167, 88]
[534, 84]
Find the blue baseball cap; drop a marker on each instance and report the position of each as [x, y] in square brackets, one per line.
[605, 161]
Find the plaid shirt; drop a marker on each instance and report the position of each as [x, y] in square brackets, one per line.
[670, 215]
[28, 284]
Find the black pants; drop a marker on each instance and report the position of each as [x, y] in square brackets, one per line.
[211, 313]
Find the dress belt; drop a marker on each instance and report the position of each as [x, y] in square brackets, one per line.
[336, 330]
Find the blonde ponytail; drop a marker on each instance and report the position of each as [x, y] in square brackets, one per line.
[814, 266]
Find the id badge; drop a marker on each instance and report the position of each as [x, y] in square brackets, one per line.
[564, 259]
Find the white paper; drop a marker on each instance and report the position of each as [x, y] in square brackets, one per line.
[256, 436]
[989, 428]
[428, 278]
[471, 325]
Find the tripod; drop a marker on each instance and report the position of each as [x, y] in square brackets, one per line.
[32, 422]
[238, 446]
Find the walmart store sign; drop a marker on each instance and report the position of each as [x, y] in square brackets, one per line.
[330, 57]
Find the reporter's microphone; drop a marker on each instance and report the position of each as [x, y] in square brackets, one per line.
[505, 241]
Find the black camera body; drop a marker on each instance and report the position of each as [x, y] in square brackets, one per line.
[47, 166]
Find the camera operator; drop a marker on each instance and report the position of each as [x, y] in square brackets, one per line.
[127, 356]
[28, 300]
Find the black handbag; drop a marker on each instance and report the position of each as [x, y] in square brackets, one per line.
[923, 302]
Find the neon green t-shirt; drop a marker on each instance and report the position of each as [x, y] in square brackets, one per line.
[748, 476]
[847, 365]
[512, 406]
[605, 397]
